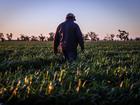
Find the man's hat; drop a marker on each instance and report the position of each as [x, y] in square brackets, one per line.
[70, 15]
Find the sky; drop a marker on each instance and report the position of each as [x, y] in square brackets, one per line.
[35, 17]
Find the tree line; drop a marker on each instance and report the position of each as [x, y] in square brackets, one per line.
[92, 36]
[122, 35]
[23, 37]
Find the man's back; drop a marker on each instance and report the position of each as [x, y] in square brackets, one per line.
[70, 35]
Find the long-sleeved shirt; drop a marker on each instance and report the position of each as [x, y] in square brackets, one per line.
[68, 35]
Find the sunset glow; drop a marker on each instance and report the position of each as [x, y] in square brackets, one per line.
[35, 17]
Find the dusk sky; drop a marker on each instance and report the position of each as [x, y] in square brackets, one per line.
[35, 17]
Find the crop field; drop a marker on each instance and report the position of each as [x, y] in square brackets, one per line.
[106, 73]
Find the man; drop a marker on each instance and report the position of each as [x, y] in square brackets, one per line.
[68, 35]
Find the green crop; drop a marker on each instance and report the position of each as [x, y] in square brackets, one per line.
[106, 71]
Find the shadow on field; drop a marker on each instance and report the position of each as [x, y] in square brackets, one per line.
[38, 63]
[76, 99]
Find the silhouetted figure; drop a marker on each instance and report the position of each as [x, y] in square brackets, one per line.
[68, 35]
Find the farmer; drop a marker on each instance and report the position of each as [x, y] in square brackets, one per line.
[68, 35]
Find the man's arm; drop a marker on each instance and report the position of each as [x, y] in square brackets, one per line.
[56, 39]
[80, 38]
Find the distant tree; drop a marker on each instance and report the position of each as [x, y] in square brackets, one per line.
[93, 36]
[41, 37]
[18, 39]
[106, 38]
[109, 37]
[86, 37]
[51, 36]
[137, 38]
[2, 37]
[34, 38]
[27, 38]
[24, 38]
[123, 35]
[9, 36]
[112, 36]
